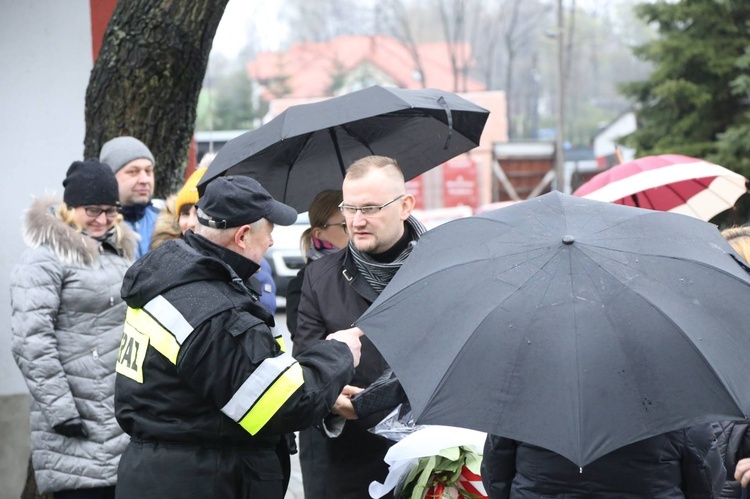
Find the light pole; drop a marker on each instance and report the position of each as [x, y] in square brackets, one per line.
[559, 152]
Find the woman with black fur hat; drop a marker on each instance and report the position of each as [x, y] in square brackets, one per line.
[67, 320]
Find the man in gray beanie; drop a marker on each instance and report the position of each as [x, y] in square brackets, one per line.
[133, 166]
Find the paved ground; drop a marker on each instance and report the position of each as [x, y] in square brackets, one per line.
[295, 483]
[15, 444]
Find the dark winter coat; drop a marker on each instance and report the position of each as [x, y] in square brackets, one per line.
[206, 391]
[67, 318]
[675, 465]
[733, 440]
[293, 295]
[334, 296]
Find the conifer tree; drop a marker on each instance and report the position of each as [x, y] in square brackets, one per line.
[688, 100]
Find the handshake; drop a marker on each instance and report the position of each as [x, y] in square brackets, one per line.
[343, 405]
[351, 338]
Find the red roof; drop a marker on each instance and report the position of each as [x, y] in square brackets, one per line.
[308, 69]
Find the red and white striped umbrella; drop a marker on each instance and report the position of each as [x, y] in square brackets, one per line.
[670, 182]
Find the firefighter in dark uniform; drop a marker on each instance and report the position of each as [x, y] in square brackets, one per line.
[203, 388]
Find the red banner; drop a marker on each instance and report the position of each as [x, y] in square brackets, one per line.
[460, 183]
[415, 187]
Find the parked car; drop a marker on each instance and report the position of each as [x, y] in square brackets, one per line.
[285, 256]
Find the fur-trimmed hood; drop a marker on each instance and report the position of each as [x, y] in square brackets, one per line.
[167, 226]
[42, 227]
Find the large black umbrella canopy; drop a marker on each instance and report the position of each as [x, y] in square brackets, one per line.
[575, 325]
[307, 148]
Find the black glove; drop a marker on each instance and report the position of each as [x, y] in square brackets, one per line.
[384, 393]
[72, 428]
[291, 443]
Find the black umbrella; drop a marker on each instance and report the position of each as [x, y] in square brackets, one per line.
[575, 325]
[307, 148]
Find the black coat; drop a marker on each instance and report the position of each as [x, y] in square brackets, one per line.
[334, 296]
[679, 464]
[293, 295]
[733, 440]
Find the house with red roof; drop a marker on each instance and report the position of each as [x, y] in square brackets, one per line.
[310, 72]
[352, 62]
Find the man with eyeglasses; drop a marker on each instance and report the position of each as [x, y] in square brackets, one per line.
[338, 288]
[133, 165]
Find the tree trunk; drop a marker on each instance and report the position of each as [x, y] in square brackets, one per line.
[30, 490]
[510, 95]
[407, 38]
[451, 23]
[510, 47]
[147, 79]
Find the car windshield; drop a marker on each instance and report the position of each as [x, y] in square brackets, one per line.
[303, 219]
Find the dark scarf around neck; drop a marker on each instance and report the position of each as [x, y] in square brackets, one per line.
[379, 274]
[134, 212]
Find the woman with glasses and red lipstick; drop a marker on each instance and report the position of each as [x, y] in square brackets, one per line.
[327, 234]
[67, 320]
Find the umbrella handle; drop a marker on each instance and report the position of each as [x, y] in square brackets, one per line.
[444, 105]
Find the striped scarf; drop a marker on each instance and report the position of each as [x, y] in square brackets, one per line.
[378, 274]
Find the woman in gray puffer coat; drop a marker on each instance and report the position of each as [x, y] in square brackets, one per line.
[67, 320]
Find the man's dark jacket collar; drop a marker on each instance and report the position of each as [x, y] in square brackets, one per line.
[243, 267]
[179, 262]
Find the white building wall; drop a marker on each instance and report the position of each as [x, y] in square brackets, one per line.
[45, 62]
[606, 141]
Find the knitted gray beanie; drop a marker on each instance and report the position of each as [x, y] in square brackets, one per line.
[120, 151]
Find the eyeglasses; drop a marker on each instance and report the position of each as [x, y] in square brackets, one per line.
[368, 211]
[95, 211]
[342, 224]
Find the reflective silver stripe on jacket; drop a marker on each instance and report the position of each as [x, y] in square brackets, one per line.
[169, 317]
[256, 385]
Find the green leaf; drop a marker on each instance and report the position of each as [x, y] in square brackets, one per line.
[445, 468]
[452, 453]
[425, 474]
[474, 462]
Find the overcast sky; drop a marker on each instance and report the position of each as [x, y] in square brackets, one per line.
[242, 17]
[261, 17]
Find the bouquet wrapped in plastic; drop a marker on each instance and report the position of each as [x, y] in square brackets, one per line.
[432, 462]
[398, 424]
[427, 462]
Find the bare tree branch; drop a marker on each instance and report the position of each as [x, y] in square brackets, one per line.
[399, 25]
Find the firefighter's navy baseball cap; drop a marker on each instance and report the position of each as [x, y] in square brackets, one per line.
[238, 200]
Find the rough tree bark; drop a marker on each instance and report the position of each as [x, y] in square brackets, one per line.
[147, 79]
[30, 490]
